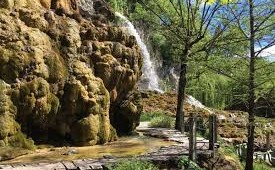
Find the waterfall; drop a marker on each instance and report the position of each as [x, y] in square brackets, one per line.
[149, 73]
[174, 78]
[188, 99]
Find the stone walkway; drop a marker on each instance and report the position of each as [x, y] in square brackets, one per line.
[171, 135]
[166, 156]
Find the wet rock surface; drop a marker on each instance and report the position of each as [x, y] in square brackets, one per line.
[63, 74]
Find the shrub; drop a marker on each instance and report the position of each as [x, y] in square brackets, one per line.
[163, 121]
[118, 5]
[134, 165]
[261, 166]
[185, 163]
[148, 116]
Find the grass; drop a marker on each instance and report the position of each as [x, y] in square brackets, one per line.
[133, 165]
[230, 152]
[162, 122]
[148, 116]
[259, 165]
[158, 119]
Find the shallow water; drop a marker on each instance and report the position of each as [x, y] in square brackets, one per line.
[125, 146]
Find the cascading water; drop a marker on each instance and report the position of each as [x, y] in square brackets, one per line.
[174, 77]
[148, 69]
[188, 99]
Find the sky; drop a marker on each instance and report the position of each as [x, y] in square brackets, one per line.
[269, 53]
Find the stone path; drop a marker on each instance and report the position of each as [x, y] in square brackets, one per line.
[166, 156]
[171, 135]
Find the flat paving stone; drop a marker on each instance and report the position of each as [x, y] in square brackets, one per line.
[81, 164]
[69, 165]
[5, 166]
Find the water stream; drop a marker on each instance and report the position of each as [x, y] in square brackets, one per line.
[149, 74]
[123, 147]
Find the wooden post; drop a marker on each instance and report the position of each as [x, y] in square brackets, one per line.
[268, 140]
[192, 138]
[212, 132]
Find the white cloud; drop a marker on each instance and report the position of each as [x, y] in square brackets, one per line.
[269, 53]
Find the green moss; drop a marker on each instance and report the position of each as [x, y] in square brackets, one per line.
[104, 129]
[54, 104]
[56, 66]
[84, 132]
[8, 126]
[113, 134]
[10, 133]
[12, 64]
[21, 141]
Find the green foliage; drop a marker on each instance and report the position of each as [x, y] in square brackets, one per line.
[163, 122]
[134, 165]
[229, 151]
[118, 5]
[211, 89]
[167, 85]
[158, 119]
[202, 127]
[148, 116]
[262, 166]
[185, 163]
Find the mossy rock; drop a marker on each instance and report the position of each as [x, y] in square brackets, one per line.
[10, 131]
[126, 116]
[11, 64]
[8, 4]
[84, 131]
[54, 81]
[8, 126]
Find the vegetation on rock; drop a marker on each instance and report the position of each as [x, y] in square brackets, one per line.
[63, 76]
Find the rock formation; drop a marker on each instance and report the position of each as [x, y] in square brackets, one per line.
[66, 71]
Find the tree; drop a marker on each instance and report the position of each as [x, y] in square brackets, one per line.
[255, 21]
[195, 26]
[259, 33]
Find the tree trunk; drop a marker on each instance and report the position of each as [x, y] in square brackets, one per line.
[181, 95]
[251, 99]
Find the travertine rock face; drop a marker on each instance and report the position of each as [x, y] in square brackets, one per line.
[65, 75]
